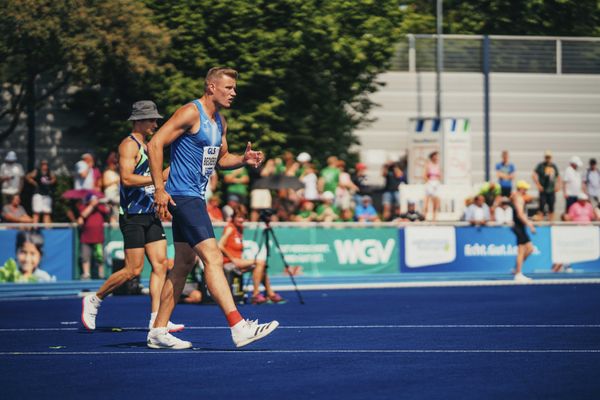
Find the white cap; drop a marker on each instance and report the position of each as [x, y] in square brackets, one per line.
[327, 196]
[582, 196]
[576, 160]
[303, 157]
[11, 156]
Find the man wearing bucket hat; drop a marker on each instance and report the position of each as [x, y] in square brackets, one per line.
[525, 247]
[143, 233]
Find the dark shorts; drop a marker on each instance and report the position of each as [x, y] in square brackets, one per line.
[547, 199]
[505, 191]
[140, 229]
[191, 223]
[522, 236]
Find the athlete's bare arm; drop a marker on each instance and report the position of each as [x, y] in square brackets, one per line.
[182, 121]
[233, 161]
[128, 151]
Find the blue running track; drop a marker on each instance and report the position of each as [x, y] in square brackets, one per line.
[498, 342]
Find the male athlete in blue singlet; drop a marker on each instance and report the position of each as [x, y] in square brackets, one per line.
[197, 135]
[142, 230]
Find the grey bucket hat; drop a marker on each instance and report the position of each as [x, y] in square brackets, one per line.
[144, 109]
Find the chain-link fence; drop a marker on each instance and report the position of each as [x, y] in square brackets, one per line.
[464, 53]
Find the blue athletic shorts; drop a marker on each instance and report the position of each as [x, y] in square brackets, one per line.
[191, 223]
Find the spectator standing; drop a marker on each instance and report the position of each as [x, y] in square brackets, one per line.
[433, 181]
[365, 212]
[330, 176]
[110, 182]
[91, 222]
[359, 178]
[547, 181]
[582, 210]
[11, 176]
[261, 199]
[14, 211]
[394, 176]
[572, 182]
[592, 182]
[345, 189]
[310, 179]
[237, 183]
[503, 214]
[87, 176]
[505, 171]
[44, 181]
[478, 213]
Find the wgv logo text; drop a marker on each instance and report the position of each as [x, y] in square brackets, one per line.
[367, 251]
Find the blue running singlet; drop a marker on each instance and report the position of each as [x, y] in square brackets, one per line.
[194, 156]
[135, 199]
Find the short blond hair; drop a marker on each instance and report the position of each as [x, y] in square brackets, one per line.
[217, 72]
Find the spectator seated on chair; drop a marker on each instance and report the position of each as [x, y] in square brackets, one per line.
[478, 213]
[231, 245]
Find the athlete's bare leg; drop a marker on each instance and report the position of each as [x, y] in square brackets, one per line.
[523, 252]
[185, 258]
[134, 263]
[157, 255]
[217, 284]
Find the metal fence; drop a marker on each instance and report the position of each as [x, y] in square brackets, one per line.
[524, 54]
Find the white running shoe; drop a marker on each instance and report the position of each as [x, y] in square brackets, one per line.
[89, 310]
[171, 326]
[520, 278]
[160, 338]
[246, 331]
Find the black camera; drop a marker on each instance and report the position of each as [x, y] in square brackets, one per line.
[265, 214]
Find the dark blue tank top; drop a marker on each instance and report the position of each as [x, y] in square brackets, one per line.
[138, 200]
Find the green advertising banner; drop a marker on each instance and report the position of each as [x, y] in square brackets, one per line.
[310, 251]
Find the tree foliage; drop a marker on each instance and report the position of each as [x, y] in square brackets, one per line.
[47, 45]
[305, 66]
[506, 17]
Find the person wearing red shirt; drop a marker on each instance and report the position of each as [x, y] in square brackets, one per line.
[232, 246]
[91, 223]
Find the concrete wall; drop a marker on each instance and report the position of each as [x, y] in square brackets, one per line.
[529, 113]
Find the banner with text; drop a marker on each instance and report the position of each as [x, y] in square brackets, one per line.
[469, 249]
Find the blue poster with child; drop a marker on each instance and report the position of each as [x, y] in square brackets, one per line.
[31, 256]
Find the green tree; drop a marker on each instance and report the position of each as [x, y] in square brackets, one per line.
[306, 65]
[46, 46]
[506, 17]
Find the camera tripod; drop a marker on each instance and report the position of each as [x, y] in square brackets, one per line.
[265, 240]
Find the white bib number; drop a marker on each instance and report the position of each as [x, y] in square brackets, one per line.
[209, 159]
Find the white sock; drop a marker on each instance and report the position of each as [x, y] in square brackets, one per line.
[95, 299]
[158, 331]
[153, 316]
[238, 328]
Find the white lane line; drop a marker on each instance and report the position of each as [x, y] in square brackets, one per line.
[437, 326]
[299, 351]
